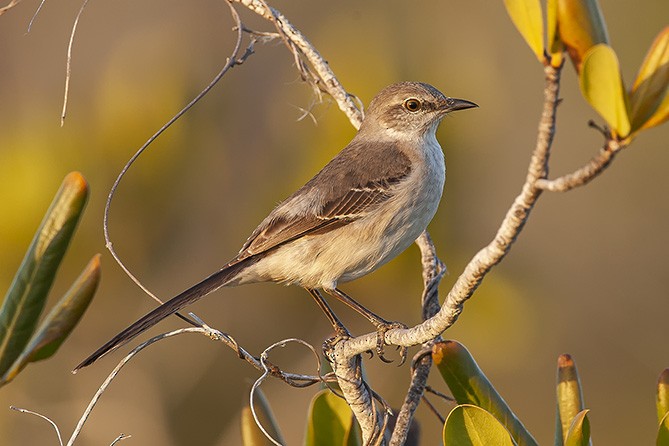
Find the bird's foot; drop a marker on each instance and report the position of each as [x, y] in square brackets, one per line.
[381, 330]
[341, 334]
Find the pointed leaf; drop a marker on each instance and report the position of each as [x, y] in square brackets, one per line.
[330, 422]
[602, 86]
[251, 433]
[569, 394]
[662, 399]
[651, 84]
[663, 432]
[579, 431]
[470, 386]
[526, 15]
[27, 294]
[580, 24]
[60, 322]
[554, 46]
[661, 114]
[469, 425]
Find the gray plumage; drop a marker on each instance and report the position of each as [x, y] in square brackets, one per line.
[368, 204]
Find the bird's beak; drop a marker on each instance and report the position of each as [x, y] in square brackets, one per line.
[452, 104]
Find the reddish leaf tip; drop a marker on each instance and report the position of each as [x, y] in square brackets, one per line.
[76, 180]
[565, 360]
[664, 377]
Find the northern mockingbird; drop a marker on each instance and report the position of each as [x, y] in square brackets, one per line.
[361, 210]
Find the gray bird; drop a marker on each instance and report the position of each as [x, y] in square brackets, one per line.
[366, 206]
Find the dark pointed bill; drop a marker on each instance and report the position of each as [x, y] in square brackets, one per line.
[453, 104]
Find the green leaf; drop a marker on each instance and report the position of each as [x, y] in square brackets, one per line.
[331, 422]
[662, 399]
[470, 386]
[61, 320]
[579, 431]
[663, 432]
[569, 396]
[526, 15]
[469, 425]
[602, 86]
[27, 294]
[581, 26]
[649, 91]
[251, 433]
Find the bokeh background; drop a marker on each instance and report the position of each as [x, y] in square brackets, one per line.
[588, 276]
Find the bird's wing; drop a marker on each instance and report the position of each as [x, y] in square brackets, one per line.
[339, 194]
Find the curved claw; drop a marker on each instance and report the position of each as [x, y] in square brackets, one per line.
[340, 335]
[381, 330]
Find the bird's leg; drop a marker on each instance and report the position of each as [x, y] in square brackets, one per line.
[340, 331]
[382, 325]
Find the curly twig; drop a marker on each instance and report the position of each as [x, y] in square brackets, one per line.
[234, 59]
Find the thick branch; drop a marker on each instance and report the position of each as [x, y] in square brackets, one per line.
[492, 254]
[433, 271]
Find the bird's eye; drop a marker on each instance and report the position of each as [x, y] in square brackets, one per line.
[413, 105]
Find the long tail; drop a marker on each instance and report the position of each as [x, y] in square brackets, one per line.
[192, 294]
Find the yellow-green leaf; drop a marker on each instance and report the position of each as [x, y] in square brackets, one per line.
[251, 433]
[651, 85]
[554, 45]
[663, 432]
[662, 398]
[579, 431]
[581, 26]
[569, 394]
[469, 425]
[469, 385]
[60, 321]
[331, 422]
[526, 15]
[602, 86]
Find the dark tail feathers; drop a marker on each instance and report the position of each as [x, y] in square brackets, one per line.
[192, 294]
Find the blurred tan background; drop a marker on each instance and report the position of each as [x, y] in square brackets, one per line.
[588, 276]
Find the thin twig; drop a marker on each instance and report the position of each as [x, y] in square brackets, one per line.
[301, 47]
[267, 372]
[9, 6]
[434, 410]
[433, 270]
[117, 369]
[267, 368]
[34, 17]
[586, 173]
[55, 426]
[234, 59]
[120, 438]
[68, 66]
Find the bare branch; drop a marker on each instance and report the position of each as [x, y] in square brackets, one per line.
[44, 417]
[586, 173]
[236, 58]
[267, 372]
[9, 6]
[433, 271]
[490, 255]
[68, 69]
[301, 48]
